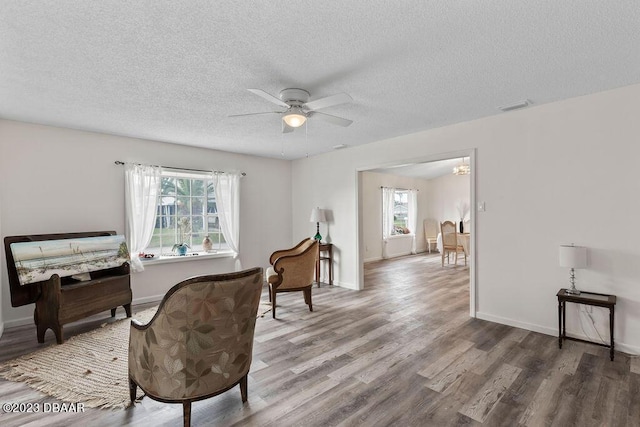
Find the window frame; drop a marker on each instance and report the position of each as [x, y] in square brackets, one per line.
[396, 192]
[200, 213]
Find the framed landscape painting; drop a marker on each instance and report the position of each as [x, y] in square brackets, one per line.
[38, 261]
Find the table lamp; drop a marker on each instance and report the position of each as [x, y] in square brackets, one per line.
[573, 257]
[317, 216]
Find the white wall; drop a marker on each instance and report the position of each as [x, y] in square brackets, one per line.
[445, 194]
[372, 214]
[61, 180]
[549, 175]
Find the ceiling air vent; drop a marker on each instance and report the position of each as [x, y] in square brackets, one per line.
[515, 106]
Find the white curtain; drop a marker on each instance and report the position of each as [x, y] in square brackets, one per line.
[412, 217]
[142, 189]
[227, 187]
[387, 218]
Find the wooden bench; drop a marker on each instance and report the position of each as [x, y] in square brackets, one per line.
[62, 300]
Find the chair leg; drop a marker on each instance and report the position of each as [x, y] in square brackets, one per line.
[133, 388]
[186, 413]
[273, 303]
[442, 256]
[455, 258]
[307, 298]
[269, 290]
[243, 388]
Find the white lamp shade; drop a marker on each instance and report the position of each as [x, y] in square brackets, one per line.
[317, 215]
[573, 256]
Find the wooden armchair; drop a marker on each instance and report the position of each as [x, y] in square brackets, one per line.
[292, 270]
[450, 242]
[199, 343]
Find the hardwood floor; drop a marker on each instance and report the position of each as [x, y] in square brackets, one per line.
[402, 352]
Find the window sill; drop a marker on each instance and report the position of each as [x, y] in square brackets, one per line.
[400, 236]
[193, 256]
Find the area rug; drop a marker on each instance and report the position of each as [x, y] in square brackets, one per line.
[89, 368]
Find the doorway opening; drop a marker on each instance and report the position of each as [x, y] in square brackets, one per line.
[441, 196]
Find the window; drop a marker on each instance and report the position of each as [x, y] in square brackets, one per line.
[400, 211]
[186, 213]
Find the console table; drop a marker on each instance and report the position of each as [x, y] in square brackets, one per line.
[327, 249]
[586, 298]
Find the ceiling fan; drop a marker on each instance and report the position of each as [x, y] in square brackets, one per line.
[298, 108]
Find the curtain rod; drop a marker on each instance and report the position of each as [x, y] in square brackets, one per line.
[402, 189]
[118, 162]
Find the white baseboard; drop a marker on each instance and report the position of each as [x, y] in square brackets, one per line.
[373, 259]
[144, 300]
[19, 322]
[625, 348]
[345, 285]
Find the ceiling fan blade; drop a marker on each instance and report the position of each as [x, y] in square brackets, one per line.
[333, 119]
[269, 97]
[286, 128]
[255, 114]
[328, 101]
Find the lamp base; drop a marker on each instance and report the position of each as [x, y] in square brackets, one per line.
[318, 237]
[572, 279]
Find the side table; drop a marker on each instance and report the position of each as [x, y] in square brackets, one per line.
[586, 298]
[328, 249]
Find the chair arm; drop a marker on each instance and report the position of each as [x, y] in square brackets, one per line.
[297, 249]
[138, 324]
[281, 253]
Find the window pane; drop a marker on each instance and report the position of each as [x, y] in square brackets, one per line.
[400, 211]
[197, 206]
[168, 186]
[183, 187]
[197, 188]
[184, 207]
[198, 232]
[213, 223]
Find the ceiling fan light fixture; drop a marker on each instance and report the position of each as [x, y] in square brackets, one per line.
[295, 117]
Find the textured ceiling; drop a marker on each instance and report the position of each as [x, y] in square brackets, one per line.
[174, 70]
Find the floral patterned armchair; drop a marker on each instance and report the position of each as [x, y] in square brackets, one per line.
[200, 341]
[293, 270]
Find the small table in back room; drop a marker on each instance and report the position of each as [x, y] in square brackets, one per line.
[586, 298]
[328, 248]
